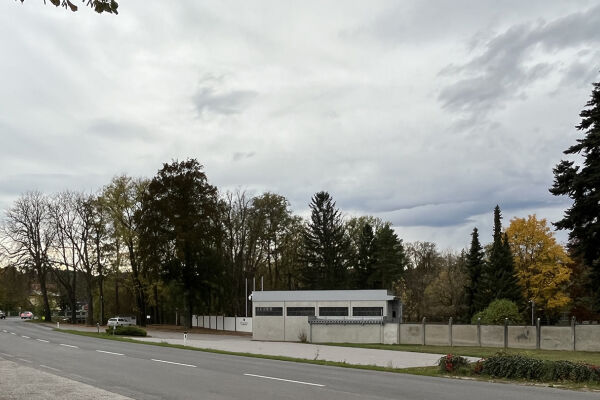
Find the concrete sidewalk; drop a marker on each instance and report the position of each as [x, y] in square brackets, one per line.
[245, 344]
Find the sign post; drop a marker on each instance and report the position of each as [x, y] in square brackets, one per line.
[185, 338]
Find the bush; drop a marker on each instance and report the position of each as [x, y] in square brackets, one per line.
[452, 362]
[520, 367]
[127, 331]
[497, 311]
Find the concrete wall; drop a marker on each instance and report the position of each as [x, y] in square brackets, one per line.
[390, 333]
[587, 337]
[556, 338]
[492, 336]
[464, 335]
[411, 334]
[239, 324]
[522, 337]
[322, 333]
[437, 335]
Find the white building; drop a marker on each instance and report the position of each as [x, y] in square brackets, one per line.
[290, 315]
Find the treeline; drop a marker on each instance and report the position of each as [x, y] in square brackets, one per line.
[174, 245]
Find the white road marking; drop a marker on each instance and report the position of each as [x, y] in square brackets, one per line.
[285, 380]
[42, 340]
[12, 333]
[110, 352]
[7, 355]
[26, 337]
[4, 330]
[176, 363]
[69, 345]
[53, 369]
[22, 359]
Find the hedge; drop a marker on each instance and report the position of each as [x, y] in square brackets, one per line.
[127, 331]
[521, 367]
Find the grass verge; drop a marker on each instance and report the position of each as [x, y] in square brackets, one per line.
[432, 371]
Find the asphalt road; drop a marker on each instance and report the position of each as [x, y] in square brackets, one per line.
[149, 372]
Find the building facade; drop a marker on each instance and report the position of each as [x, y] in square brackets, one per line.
[290, 315]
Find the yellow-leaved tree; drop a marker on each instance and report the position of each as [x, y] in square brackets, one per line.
[541, 263]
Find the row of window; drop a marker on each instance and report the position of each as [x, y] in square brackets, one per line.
[323, 311]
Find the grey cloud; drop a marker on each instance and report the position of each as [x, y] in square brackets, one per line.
[107, 128]
[503, 71]
[231, 102]
[237, 156]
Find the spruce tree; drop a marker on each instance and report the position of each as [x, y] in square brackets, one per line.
[390, 259]
[475, 267]
[365, 257]
[326, 247]
[581, 182]
[501, 280]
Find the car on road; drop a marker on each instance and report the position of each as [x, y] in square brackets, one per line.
[121, 321]
[2, 315]
[26, 315]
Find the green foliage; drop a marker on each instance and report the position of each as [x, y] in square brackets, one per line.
[389, 259]
[452, 363]
[497, 311]
[474, 266]
[581, 183]
[326, 246]
[100, 6]
[127, 331]
[498, 279]
[521, 367]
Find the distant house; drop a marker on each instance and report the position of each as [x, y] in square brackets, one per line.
[288, 315]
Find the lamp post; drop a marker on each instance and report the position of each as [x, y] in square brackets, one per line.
[532, 311]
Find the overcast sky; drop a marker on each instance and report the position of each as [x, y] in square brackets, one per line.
[426, 114]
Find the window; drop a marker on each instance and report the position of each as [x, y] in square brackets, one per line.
[300, 311]
[269, 311]
[333, 311]
[367, 311]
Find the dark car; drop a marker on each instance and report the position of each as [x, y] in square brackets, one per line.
[26, 315]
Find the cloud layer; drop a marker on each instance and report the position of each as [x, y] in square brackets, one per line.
[424, 114]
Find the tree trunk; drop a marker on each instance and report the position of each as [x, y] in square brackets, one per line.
[42, 278]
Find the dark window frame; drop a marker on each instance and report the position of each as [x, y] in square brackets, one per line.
[268, 312]
[333, 311]
[367, 311]
[300, 311]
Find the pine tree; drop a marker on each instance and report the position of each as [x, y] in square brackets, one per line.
[390, 259]
[326, 247]
[365, 257]
[475, 265]
[582, 184]
[501, 281]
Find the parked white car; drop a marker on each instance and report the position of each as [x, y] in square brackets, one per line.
[121, 321]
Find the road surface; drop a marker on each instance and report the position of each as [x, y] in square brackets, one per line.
[149, 372]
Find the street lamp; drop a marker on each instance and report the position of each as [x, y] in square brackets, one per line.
[532, 311]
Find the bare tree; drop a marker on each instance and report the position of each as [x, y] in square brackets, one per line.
[26, 237]
[64, 255]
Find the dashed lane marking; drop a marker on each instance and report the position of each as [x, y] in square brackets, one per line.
[42, 340]
[24, 360]
[285, 380]
[69, 345]
[26, 337]
[176, 363]
[110, 352]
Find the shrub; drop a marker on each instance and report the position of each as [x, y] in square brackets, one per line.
[127, 331]
[452, 362]
[497, 311]
[520, 367]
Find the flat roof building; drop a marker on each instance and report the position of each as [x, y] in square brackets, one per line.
[289, 315]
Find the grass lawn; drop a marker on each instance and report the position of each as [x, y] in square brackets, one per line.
[553, 355]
